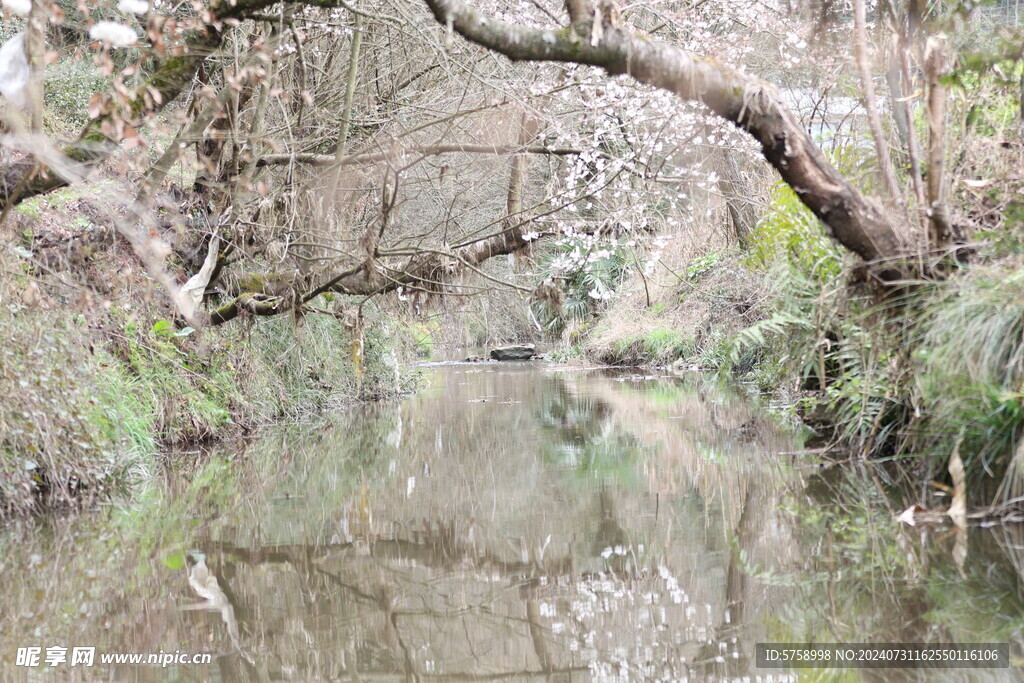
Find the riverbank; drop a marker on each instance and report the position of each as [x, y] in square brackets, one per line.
[95, 390]
[915, 377]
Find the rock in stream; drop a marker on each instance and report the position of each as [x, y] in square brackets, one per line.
[523, 352]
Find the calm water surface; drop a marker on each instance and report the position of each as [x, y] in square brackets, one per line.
[510, 521]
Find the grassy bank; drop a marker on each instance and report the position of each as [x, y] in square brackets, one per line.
[93, 397]
[690, 322]
[936, 369]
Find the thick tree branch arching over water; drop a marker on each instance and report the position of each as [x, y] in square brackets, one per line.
[857, 223]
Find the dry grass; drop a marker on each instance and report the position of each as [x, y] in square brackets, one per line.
[692, 312]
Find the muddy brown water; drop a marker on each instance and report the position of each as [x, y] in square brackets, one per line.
[513, 522]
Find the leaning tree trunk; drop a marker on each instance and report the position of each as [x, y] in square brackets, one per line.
[857, 223]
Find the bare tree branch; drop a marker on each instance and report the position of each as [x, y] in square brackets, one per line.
[427, 150]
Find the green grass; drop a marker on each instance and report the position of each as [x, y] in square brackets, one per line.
[91, 405]
[658, 346]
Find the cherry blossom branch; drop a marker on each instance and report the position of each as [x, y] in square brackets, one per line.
[857, 223]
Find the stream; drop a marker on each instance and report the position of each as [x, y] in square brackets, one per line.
[509, 521]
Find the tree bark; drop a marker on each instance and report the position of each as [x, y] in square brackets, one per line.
[936, 67]
[35, 53]
[867, 84]
[857, 223]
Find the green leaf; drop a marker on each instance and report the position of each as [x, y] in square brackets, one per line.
[175, 560]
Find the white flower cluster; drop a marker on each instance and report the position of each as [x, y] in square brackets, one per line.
[19, 7]
[117, 35]
[133, 6]
[600, 292]
[14, 71]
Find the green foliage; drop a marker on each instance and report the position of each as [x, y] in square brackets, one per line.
[165, 328]
[703, 264]
[567, 353]
[790, 245]
[789, 231]
[583, 287]
[821, 333]
[30, 210]
[1008, 239]
[52, 448]
[760, 334]
[286, 369]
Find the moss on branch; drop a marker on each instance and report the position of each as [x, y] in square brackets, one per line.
[251, 303]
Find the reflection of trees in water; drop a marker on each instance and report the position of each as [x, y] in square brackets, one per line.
[437, 605]
[582, 434]
[417, 606]
[599, 579]
[385, 606]
[491, 563]
[435, 539]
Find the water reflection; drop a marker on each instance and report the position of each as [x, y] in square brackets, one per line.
[506, 522]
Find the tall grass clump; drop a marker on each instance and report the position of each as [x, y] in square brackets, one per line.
[912, 375]
[657, 346]
[290, 369]
[971, 368]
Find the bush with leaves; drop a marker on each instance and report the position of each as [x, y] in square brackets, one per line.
[597, 268]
